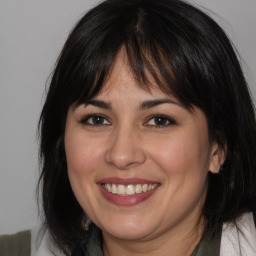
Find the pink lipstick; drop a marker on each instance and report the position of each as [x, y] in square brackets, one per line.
[127, 192]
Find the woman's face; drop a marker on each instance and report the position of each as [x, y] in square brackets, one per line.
[137, 160]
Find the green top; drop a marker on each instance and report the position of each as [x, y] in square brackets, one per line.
[92, 245]
[208, 247]
[18, 244]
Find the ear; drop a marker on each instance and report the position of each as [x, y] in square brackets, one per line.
[218, 156]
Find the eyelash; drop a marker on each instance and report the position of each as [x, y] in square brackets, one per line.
[166, 119]
[85, 120]
[170, 121]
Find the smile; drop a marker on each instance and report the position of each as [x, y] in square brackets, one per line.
[128, 190]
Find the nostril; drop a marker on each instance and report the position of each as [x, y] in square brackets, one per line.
[125, 153]
[124, 164]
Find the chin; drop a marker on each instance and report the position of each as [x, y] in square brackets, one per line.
[128, 230]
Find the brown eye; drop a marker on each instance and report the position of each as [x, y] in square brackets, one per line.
[160, 121]
[95, 120]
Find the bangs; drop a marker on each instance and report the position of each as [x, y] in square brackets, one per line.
[146, 65]
[150, 57]
[168, 48]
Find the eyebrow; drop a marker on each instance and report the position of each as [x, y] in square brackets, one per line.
[99, 104]
[144, 105]
[153, 103]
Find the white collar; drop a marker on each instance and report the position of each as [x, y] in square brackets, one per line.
[239, 240]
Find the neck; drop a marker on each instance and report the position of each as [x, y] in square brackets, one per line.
[172, 242]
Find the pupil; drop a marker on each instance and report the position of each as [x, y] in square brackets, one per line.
[97, 120]
[160, 121]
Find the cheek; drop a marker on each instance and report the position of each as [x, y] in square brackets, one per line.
[180, 154]
[82, 163]
[82, 155]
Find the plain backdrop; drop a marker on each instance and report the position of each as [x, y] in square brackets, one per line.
[32, 33]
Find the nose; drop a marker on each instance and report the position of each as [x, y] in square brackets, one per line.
[125, 150]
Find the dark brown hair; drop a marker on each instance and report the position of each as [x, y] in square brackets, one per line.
[187, 54]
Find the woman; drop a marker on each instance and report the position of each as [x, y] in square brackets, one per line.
[148, 137]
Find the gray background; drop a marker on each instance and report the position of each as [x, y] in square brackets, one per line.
[31, 36]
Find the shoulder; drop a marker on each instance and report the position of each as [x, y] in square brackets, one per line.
[239, 239]
[42, 244]
[17, 244]
[35, 242]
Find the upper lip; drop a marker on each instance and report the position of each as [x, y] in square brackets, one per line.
[126, 181]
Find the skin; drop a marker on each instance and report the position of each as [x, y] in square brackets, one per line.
[177, 154]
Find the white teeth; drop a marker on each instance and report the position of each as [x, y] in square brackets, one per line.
[121, 190]
[108, 187]
[145, 187]
[114, 189]
[154, 186]
[128, 190]
[138, 189]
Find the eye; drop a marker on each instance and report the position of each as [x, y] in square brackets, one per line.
[95, 120]
[160, 121]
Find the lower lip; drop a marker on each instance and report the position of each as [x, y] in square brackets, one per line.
[126, 200]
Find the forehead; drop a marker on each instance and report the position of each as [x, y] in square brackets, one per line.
[122, 82]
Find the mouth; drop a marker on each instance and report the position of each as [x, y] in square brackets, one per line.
[128, 190]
